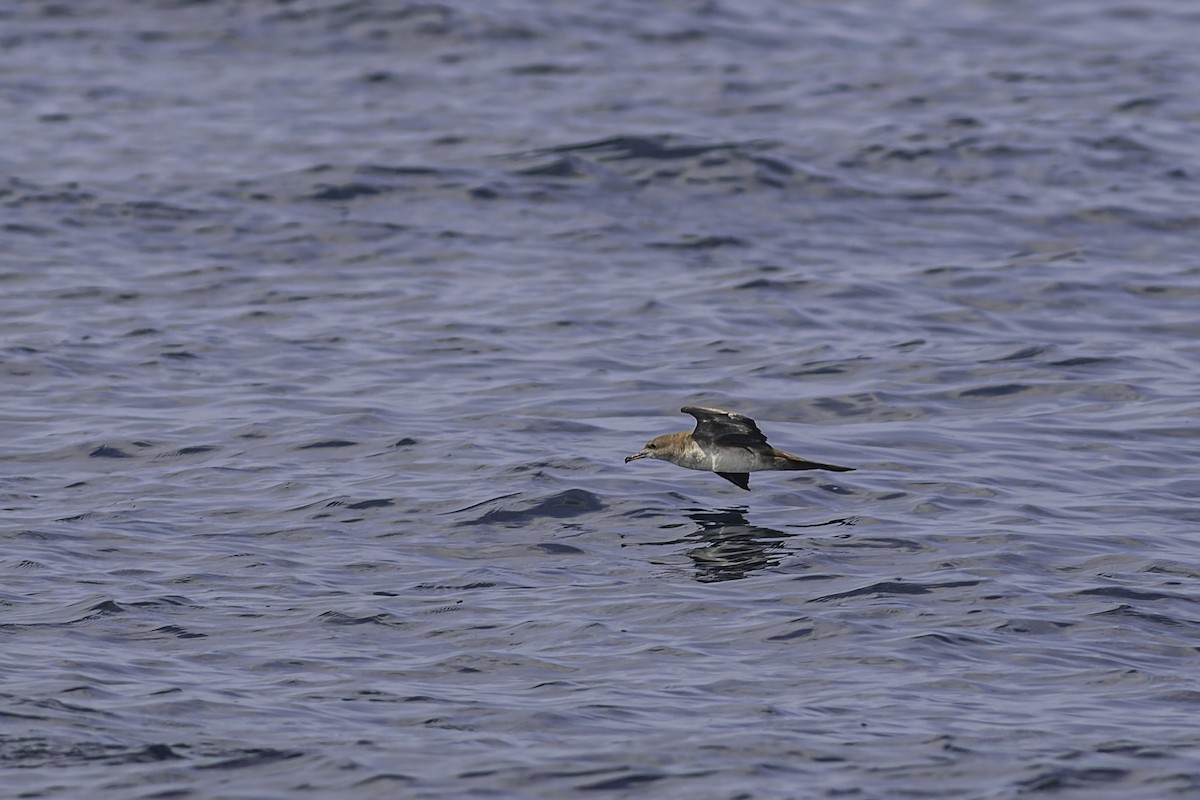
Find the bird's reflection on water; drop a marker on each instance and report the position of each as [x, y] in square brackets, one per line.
[729, 547]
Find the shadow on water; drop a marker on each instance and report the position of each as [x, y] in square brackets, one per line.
[728, 547]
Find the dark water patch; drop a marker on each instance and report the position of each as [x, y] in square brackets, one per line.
[464, 587]
[1168, 292]
[108, 451]
[191, 450]
[1057, 779]
[1126, 593]
[33, 752]
[1001, 390]
[660, 148]
[27, 230]
[1019, 355]
[563, 505]
[80, 517]
[485, 192]
[1138, 104]
[327, 444]
[952, 639]
[338, 618]
[886, 588]
[1135, 749]
[387, 778]
[178, 632]
[487, 502]
[379, 503]
[157, 210]
[775, 285]
[638, 780]
[1035, 626]
[545, 69]
[728, 168]
[1108, 216]
[819, 368]
[1132, 613]
[345, 192]
[557, 168]
[399, 171]
[17, 193]
[154, 752]
[252, 757]
[798, 633]
[872, 405]
[165, 600]
[550, 425]
[700, 243]
[1179, 572]
[558, 549]
[876, 542]
[1082, 361]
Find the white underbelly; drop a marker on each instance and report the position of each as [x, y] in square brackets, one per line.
[729, 459]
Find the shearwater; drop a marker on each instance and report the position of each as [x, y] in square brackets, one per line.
[726, 443]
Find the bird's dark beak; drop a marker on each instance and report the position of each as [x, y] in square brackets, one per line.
[636, 456]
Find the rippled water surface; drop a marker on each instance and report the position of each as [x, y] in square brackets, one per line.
[325, 328]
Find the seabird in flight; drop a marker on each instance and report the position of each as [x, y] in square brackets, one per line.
[726, 443]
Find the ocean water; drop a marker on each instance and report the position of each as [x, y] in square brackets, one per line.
[325, 328]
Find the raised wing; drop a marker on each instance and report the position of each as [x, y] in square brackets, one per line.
[720, 427]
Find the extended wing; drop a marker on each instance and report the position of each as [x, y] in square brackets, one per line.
[720, 427]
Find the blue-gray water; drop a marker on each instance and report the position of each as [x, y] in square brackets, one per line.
[325, 328]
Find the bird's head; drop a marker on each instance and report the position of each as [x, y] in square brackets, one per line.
[658, 447]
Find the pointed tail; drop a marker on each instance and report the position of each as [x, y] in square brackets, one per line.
[788, 461]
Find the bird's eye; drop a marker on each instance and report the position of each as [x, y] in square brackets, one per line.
[651, 446]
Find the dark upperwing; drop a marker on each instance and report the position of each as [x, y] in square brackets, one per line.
[726, 428]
